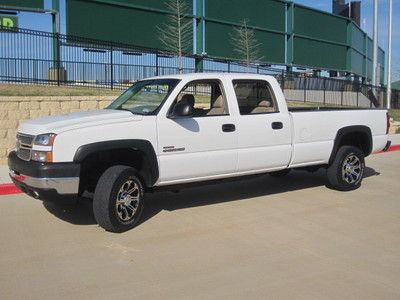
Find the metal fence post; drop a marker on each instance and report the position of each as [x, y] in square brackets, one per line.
[305, 89]
[156, 64]
[370, 103]
[58, 63]
[358, 91]
[324, 82]
[112, 67]
[341, 95]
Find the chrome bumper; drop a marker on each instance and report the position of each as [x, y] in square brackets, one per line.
[63, 185]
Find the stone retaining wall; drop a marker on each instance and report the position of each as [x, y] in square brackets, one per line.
[14, 110]
[394, 127]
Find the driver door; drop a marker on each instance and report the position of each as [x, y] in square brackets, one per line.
[201, 146]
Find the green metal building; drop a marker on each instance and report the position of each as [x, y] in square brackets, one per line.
[288, 34]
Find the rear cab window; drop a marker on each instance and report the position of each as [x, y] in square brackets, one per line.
[254, 97]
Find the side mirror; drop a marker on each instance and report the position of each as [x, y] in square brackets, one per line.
[182, 110]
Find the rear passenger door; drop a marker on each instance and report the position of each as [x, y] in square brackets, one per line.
[264, 133]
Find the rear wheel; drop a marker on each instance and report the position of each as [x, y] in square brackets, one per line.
[118, 199]
[347, 170]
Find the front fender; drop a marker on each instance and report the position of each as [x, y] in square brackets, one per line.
[143, 146]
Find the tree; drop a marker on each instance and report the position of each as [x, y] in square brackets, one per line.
[245, 43]
[176, 33]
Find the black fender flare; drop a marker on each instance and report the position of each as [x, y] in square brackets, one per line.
[342, 132]
[143, 146]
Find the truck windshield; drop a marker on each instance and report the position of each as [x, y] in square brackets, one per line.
[145, 97]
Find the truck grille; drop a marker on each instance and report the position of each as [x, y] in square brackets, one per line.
[24, 146]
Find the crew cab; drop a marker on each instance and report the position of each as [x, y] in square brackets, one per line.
[171, 131]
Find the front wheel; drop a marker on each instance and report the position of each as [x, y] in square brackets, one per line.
[118, 199]
[347, 170]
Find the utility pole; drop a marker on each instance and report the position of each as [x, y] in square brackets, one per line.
[375, 44]
[389, 66]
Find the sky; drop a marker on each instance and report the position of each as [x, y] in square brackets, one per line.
[43, 22]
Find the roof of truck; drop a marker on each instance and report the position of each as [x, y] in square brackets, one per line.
[212, 75]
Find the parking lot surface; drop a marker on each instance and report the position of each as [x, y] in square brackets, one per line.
[263, 238]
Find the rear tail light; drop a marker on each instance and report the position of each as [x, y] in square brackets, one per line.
[387, 122]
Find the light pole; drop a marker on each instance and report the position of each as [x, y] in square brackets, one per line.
[350, 9]
[389, 66]
[375, 44]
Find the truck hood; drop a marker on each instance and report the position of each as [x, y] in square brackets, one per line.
[61, 123]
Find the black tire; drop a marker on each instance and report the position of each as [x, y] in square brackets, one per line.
[339, 176]
[280, 173]
[115, 183]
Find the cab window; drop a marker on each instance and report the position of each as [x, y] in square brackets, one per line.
[205, 96]
[254, 97]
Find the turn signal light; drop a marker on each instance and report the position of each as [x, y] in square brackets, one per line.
[42, 156]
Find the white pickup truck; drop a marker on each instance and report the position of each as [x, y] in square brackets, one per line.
[171, 131]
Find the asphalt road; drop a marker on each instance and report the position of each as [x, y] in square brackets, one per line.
[289, 238]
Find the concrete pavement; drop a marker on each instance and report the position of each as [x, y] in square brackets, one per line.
[4, 178]
[264, 238]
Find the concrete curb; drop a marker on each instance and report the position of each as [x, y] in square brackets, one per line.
[392, 148]
[8, 189]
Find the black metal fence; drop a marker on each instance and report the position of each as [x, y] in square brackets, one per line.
[328, 91]
[35, 57]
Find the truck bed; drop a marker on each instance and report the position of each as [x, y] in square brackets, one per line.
[314, 133]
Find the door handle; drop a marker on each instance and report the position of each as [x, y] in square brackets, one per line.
[228, 127]
[277, 125]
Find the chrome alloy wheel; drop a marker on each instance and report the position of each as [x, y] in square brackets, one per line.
[128, 199]
[352, 169]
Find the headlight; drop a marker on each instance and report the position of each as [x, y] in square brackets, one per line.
[42, 156]
[45, 139]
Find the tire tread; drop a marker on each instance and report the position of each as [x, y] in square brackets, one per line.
[334, 170]
[102, 196]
